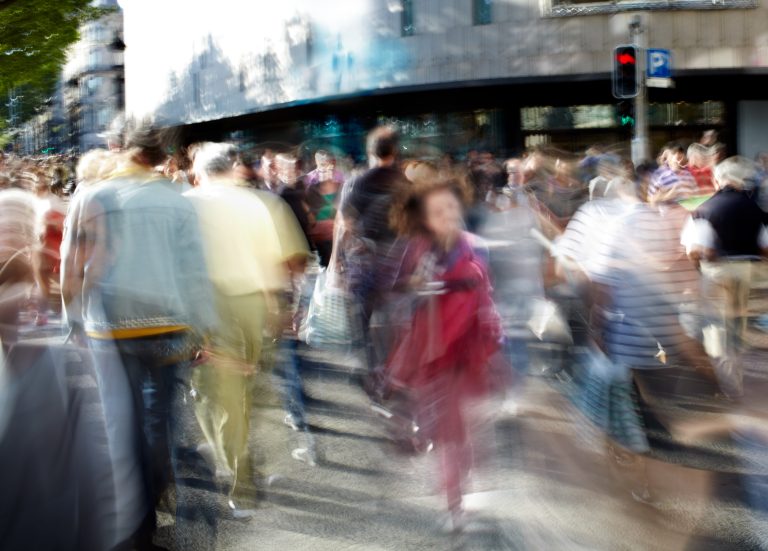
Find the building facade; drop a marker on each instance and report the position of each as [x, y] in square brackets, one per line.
[503, 74]
[93, 80]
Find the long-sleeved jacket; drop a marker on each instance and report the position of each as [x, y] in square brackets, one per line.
[132, 260]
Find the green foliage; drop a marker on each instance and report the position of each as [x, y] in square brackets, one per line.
[34, 37]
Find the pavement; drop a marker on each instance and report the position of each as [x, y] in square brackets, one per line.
[542, 481]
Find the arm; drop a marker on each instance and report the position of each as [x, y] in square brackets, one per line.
[699, 238]
[762, 240]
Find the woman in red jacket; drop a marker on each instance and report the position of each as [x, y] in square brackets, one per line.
[442, 358]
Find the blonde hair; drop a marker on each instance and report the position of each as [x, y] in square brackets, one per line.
[96, 165]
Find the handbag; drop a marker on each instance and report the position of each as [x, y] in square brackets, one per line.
[607, 398]
[333, 317]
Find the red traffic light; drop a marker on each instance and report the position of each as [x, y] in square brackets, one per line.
[626, 75]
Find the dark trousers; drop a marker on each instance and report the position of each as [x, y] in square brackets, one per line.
[154, 372]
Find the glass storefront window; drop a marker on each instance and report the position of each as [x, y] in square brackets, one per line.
[708, 113]
[564, 118]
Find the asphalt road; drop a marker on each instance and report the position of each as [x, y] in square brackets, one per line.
[543, 479]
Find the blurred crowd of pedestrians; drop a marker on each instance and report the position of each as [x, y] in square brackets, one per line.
[195, 284]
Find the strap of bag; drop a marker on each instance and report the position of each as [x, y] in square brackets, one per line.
[334, 269]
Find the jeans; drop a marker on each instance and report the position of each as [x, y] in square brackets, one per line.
[516, 350]
[293, 389]
[138, 383]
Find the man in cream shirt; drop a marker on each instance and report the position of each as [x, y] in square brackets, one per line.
[252, 244]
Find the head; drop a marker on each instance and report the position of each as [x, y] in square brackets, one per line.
[382, 146]
[115, 133]
[698, 156]
[514, 168]
[609, 167]
[762, 160]
[287, 168]
[268, 166]
[147, 144]
[442, 213]
[215, 161]
[95, 165]
[622, 188]
[433, 209]
[420, 173]
[718, 153]
[675, 157]
[709, 138]
[735, 172]
[41, 185]
[25, 180]
[325, 163]
[646, 169]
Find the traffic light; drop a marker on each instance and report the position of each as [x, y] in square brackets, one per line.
[625, 114]
[626, 72]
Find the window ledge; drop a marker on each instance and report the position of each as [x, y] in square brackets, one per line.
[608, 8]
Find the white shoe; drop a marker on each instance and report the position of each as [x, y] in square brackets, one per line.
[305, 455]
[510, 407]
[238, 513]
[290, 421]
[456, 522]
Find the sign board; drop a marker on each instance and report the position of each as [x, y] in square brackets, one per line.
[658, 63]
[656, 82]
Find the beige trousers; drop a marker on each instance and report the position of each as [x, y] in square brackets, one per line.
[232, 382]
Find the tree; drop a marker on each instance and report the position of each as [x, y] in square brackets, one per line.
[34, 37]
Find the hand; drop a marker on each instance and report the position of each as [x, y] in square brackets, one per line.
[202, 357]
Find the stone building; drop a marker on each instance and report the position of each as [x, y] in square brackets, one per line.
[498, 74]
[93, 91]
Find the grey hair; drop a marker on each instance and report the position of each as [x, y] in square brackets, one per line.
[737, 172]
[323, 155]
[213, 159]
[697, 148]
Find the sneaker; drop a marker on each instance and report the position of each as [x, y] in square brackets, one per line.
[456, 522]
[510, 407]
[306, 451]
[305, 455]
[41, 320]
[240, 513]
[290, 421]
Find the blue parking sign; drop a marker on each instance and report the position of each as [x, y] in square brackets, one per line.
[659, 63]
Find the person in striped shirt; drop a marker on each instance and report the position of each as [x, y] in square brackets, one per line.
[672, 172]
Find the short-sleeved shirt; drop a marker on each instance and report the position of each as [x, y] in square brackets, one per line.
[665, 178]
[247, 235]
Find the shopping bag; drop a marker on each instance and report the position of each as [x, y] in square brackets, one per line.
[333, 317]
[548, 324]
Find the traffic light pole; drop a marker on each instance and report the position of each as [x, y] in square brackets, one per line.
[640, 140]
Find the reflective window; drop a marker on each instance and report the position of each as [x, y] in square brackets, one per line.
[481, 12]
[406, 18]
